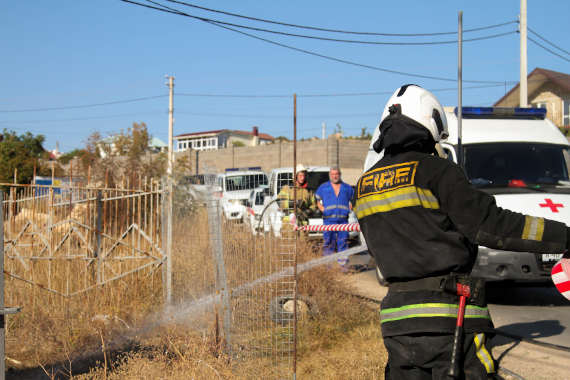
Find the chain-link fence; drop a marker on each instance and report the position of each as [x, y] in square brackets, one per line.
[236, 274]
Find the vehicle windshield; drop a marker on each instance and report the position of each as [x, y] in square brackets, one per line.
[498, 164]
[315, 179]
[245, 181]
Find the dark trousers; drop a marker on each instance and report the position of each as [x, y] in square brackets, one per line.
[427, 357]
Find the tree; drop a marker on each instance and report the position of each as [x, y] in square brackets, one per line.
[66, 157]
[365, 135]
[338, 129]
[126, 155]
[22, 152]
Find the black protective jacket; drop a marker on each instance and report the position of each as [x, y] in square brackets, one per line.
[421, 218]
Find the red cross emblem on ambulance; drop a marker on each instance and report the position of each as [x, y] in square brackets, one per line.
[553, 206]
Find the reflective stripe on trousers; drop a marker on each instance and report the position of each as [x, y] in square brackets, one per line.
[483, 354]
[426, 310]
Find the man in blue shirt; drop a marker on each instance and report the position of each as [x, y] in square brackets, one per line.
[334, 200]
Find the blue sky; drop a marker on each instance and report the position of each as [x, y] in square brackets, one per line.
[69, 53]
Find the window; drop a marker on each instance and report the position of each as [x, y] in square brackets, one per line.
[245, 181]
[495, 164]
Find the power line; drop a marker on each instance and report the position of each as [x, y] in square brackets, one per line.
[204, 95]
[213, 95]
[78, 118]
[360, 42]
[338, 94]
[300, 115]
[84, 105]
[547, 49]
[339, 30]
[548, 42]
[330, 58]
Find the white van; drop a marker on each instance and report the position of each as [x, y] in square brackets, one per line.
[522, 159]
[236, 185]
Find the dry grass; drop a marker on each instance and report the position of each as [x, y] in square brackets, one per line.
[119, 325]
[341, 341]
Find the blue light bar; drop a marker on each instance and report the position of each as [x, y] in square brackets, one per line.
[502, 113]
[243, 169]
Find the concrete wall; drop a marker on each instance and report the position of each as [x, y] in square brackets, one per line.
[348, 154]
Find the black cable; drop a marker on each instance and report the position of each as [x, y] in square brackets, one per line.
[548, 42]
[347, 94]
[317, 54]
[77, 118]
[203, 95]
[337, 30]
[361, 42]
[340, 94]
[301, 116]
[532, 341]
[547, 49]
[84, 105]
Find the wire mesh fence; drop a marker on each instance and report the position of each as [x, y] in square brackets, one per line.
[74, 255]
[242, 266]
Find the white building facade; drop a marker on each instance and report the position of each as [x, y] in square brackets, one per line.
[219, 139]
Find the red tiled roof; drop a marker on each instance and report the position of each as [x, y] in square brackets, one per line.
[263, 136]
[541, 75]
[214, 132]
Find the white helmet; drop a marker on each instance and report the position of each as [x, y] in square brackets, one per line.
[421, 106]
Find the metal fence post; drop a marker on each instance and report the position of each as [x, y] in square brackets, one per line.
[3, 310]
[99, 227]
[2, 322]
[216, 242]
[166, 232]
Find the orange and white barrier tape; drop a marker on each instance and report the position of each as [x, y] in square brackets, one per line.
[330, 227]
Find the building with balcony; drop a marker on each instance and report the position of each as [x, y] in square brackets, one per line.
[221, 138]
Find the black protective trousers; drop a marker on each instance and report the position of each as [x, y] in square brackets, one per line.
[427, 357]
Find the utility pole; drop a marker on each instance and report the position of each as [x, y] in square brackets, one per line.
[323, 130]
[460, 88]
[168, 276]
[170, 85]
[523, 31]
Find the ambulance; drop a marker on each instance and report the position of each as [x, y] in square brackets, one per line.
[522, 159]
[235, 185]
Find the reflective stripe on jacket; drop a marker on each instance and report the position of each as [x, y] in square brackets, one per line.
[336, 208]
[421, 218]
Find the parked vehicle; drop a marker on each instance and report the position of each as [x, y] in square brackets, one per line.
[199, 187]
[236, 185]
[254, 209]
[522, 159]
